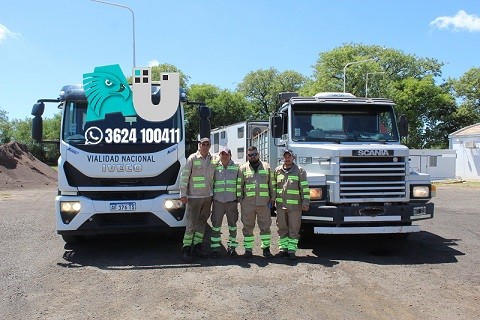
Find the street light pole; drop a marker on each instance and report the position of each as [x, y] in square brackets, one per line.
[349, 64]
[133, 22]
[366, 81]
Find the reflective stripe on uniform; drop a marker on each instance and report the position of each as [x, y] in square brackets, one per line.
[248, 242]
[292, 244]
[290, 191]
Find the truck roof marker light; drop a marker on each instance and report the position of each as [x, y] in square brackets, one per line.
[334, 95]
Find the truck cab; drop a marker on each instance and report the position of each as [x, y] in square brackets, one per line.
[358, 170]
[117, 173]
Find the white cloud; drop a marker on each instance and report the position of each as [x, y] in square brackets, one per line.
[460, 21]
[4, 33]
[153, 63]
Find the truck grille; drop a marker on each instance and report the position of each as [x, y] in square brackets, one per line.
[372, 177]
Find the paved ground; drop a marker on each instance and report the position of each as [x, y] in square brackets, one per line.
[432, 275]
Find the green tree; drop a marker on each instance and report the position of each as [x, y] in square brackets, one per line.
[467, 88]
[5, 127]
[428, 108]
[197, 93]
[229, 107]
[226, 107]
[406, 79]
[261, 88]
[165, 67]
[392, 63]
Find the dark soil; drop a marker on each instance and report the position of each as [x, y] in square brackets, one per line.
[20, 169]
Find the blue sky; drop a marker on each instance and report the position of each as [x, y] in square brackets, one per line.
[47, 44]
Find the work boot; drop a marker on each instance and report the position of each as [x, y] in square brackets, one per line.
[248, 254]
[231, 252]
[282, 254]
[197, 251]
[267, 254]
[187, 254]
[292, 256]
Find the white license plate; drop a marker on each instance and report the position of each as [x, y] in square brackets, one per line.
[123, 206]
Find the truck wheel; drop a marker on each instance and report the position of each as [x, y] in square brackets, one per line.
[68, 238]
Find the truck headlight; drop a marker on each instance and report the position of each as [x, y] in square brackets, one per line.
[68, 210]
[316, 193]
[421, 191]
[175, 207]
[72, 207]
[173, 204]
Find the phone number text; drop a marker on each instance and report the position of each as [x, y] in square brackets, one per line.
[145, 135]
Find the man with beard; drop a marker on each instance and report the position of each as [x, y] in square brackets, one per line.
[256, 194]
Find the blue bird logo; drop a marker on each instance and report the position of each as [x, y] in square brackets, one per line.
[107, 91]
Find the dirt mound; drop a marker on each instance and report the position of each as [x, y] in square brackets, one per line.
[20, 169]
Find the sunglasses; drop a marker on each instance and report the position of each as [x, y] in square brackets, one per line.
[252, 154]
[205, 143]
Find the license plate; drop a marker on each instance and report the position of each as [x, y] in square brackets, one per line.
[123, 206]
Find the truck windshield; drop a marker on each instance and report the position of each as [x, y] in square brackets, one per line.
[343, 123]
[118, 130]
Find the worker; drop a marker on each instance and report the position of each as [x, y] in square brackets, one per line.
[196, 190]
[255, 191]
[292, 195]
[224, 203]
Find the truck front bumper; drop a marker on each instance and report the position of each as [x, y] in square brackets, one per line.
[99, 217]
[365, 219]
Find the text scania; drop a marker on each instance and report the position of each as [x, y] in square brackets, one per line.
[122, 158]
[363, 153]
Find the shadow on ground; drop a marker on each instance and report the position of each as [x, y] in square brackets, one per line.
[150, 251]
[418, 248]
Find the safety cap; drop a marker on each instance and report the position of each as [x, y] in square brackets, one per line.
[225, 149]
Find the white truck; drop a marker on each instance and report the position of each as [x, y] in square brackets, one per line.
[358, 170]
[118, 173]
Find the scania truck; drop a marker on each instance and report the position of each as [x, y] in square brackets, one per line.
[121, 151]
[357, 168]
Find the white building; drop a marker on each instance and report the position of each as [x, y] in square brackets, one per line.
[438, 163]
[466, 143]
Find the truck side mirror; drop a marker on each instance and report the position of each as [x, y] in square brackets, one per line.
[205, 126]
[38, 108]
[37, 122]
[37, 128]
[403, 126]
[276, 123]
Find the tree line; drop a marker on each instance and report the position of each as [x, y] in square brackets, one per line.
[434, 106]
